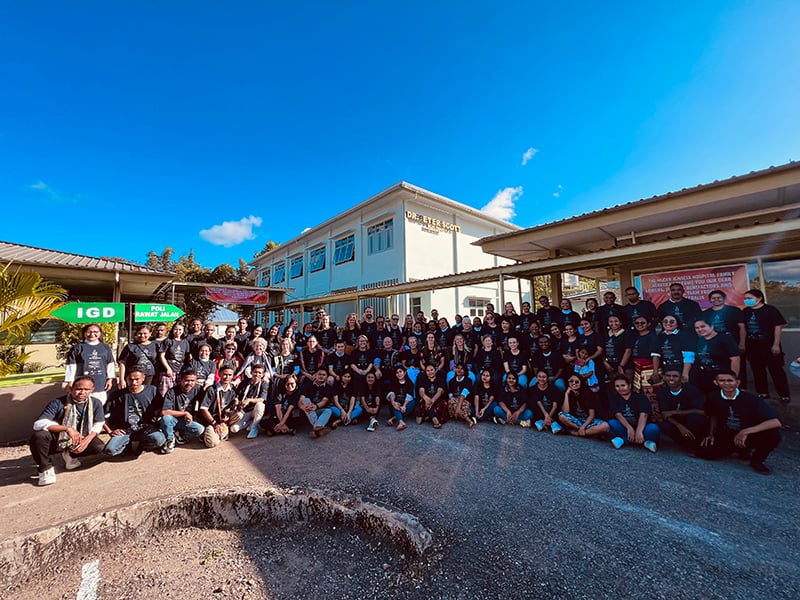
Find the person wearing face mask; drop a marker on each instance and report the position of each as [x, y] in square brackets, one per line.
[764, 324]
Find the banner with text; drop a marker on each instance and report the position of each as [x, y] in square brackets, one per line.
[223, 295]
[697, 283]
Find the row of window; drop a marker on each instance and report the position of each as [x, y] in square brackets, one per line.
[380, 237]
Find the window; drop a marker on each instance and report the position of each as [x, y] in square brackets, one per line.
[380, 236]
[416, 305]
[316, 260]
[296, 267]
[344, 250]
[263, 279]
[476, 306]
[278, 274]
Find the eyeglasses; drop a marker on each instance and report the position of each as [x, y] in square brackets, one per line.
[640, 322]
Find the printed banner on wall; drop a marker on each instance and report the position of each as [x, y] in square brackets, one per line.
[222, 295]
[697, 283]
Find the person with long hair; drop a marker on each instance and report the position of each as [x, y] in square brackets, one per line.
[311, 358]
[579, 409]
[143, 353]
[432, 397]
[346, 407]
[630, 414]
[512, 406]
[764, 324]
[172, 354]
[401, 399]
[546, 402]
[484, 398]
[432, 354]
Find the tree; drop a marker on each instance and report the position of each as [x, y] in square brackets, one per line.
[26, 299]
[271, 245]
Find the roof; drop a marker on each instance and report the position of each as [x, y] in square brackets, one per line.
[764, 196]
[31, 255]
[399, 186]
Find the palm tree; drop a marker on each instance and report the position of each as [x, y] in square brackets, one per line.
[25, 300]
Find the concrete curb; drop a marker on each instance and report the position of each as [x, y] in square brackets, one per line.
[24, 555]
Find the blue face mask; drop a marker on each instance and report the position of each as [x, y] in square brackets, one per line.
[750, 301]
[566, 311]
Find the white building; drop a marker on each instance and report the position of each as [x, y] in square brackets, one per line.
[402, 234]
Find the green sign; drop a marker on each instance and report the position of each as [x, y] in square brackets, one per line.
[91, 312]
[156, 313]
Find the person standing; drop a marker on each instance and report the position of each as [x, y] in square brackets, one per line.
[679, 306]
[93, 358]
[764, 324]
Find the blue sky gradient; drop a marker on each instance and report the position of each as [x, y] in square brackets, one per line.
[130, 126]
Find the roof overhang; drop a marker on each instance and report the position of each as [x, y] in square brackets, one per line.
[737, 245]
[763, 197]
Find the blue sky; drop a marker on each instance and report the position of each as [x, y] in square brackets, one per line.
[131, 126]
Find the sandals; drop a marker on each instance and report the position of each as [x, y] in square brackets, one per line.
[436, 423]
[401, 426]
[391, 422]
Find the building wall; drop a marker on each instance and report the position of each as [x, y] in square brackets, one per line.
[428, 238]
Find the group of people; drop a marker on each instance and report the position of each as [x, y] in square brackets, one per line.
[630, 373]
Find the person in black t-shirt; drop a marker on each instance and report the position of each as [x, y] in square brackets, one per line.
[764, 324]
[714, 352]
[739, 422]
[631, 411]
[682, 411]
[132, 414]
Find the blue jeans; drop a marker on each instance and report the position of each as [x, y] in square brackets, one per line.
[487, 414]
[147, 441]
[409, 410]
[354, 414]
[526, 414]
[651, 431]
[187, 430]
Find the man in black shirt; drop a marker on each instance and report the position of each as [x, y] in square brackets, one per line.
[131, 416]
[740, 422]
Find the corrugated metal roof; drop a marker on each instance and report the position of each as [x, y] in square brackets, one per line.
[30, 255]
[618, 207]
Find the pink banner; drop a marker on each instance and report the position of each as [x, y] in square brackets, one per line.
[223, 295]
[697, 283]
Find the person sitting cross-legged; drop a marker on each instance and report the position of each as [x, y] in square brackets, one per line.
[68, 425]
[132, 417]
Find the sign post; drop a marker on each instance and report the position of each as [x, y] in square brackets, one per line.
[156, 313]
[91, 312]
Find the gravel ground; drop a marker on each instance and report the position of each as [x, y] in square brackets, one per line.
[514, 514]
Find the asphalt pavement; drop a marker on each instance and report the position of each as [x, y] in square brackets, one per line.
[514, 513]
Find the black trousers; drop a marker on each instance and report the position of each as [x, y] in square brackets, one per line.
[761, 360]
[761, 444]
[43, 444]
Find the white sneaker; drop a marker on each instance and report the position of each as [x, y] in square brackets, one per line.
[555, 427]
[617, 442]
[48, 476]
[650, 445]
[372, 423]
[70, 462]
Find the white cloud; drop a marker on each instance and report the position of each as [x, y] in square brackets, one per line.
[529, 154]
[557, 193]
[51, 193]
[231, 233]
[502, 205]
